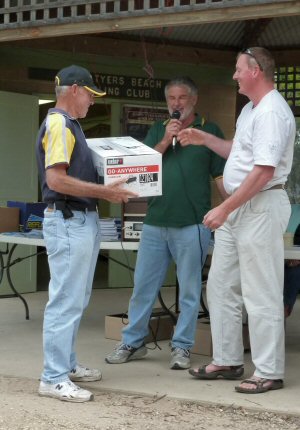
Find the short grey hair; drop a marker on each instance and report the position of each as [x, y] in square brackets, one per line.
[60, 90]
[182, 81]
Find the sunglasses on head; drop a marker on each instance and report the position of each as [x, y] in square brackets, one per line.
[250, 53]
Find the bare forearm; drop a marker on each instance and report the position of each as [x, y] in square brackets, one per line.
[193, 136]
[219, 146]
[75, 187]
[59, 181]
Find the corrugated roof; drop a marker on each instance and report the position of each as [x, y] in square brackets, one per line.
[283, 32]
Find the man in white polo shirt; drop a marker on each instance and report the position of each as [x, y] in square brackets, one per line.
[248, 259]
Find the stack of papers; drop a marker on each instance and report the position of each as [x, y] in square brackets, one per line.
[110, 229]
[119, 227]
[34, 233]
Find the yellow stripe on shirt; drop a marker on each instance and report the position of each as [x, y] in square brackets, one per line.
[58, 141]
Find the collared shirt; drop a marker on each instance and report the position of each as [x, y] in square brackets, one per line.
[62, 141]
[186, 179]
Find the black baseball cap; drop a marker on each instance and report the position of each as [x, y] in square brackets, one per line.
[80, 76]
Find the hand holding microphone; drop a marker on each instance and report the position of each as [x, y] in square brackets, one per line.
[175, 115]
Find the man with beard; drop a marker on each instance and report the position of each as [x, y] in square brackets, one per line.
[173, 228]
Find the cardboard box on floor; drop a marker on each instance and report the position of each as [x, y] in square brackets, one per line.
[123, 157]
[203, 341]
[161, 326]
[9, 219]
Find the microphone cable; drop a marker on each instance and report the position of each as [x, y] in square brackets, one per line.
[205, 312]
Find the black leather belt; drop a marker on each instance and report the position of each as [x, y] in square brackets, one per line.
[67, 207]
[75, 207]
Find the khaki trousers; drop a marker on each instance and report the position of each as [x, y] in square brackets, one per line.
[248, 268]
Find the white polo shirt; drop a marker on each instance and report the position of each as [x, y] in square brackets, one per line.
[265, 135]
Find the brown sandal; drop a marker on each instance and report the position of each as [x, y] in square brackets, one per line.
[260, 385]
[234, 372]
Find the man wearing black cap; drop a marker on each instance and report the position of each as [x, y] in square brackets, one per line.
[71, 230]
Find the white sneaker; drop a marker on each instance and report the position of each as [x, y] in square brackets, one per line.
[84, 374]
[66, 391]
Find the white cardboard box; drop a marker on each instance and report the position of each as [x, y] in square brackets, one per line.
[126, 158]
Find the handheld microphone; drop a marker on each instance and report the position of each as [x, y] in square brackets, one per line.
[175, 115]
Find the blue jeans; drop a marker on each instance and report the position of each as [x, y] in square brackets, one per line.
[291, 287]
[188, 247]
[72, 247]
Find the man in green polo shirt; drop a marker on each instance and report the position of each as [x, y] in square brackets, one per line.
[173, 228]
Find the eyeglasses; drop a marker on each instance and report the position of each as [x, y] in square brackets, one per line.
[249, 52]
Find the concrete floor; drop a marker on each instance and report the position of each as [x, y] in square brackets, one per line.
[21, 356]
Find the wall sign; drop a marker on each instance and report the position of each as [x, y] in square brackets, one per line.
[115, 86]
[138, 119]
[131, 87]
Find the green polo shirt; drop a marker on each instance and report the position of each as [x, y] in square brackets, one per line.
[186, 177]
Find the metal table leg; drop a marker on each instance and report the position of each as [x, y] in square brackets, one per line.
[16, 293]
[10, 263]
